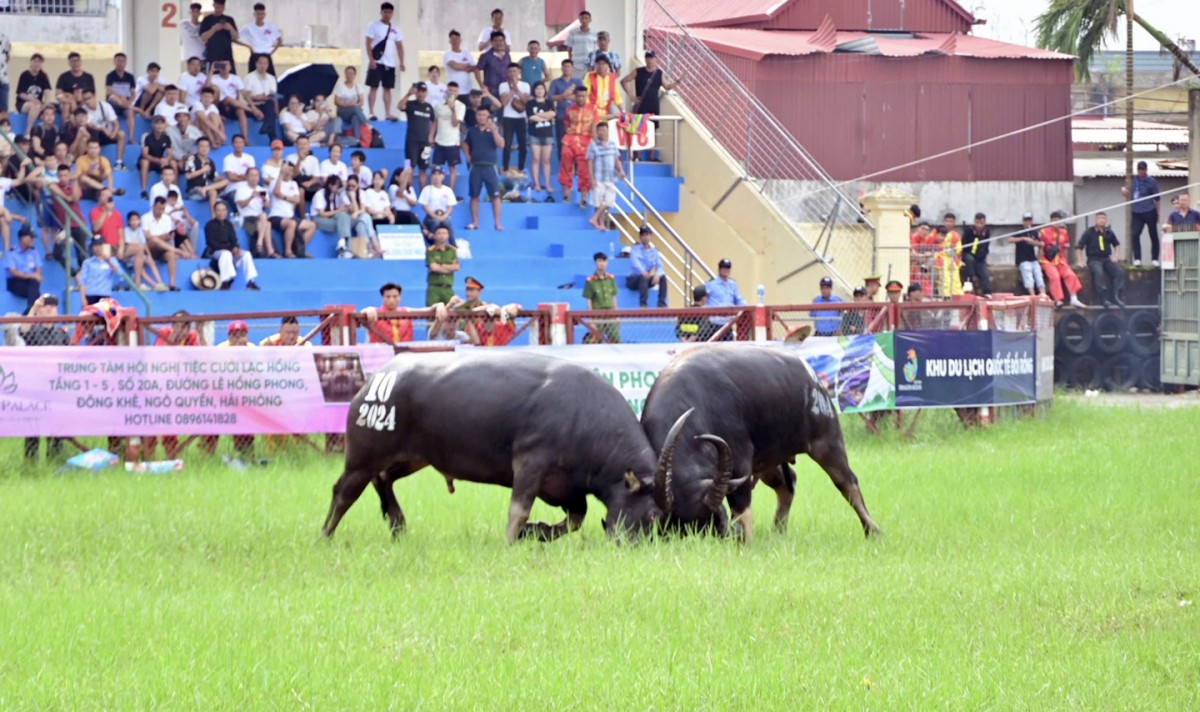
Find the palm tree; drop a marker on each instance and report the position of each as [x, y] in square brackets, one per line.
[1079, 27]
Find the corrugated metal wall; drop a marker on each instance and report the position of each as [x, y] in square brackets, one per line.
[870, 15]
[860, 114]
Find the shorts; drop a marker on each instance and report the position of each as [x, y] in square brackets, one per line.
[277, 222]
[103, 138]
[604, 195]
[484, 175]
[541, 140]
[413, 151]
[3, 97]
[446, 156]
[250, 226]
[229, 112]
[381, 74]
[119, 109]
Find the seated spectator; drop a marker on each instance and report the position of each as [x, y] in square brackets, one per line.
[289, 334]
[1056, 244]
[854, 321]
[1099, 245]
[826, 321]
[285, 216]
[388, 330]
[106, 222]
[33, 89]
[438, 202]
[169, 182]
[331, 211]
[98, 273]
[723, 290]
[646, 269]
[187, 228]
[239, 334]
[348, 99]
[252, 199]
[95, 172]
[7, 218]
[976, 245]
[24, 268]
[156, 153]
[221, 246]
[179, 332]
[170, 106]
[148, 91]
[271, 166]
[233, 98]
[375, 202]
[358, 167]
[134, 251]
[333, 165]
[43, 135]
[184, 136]
[65, 213]
[159, 232]
[207, 116]
[604, 165]
[600, 291]
[308, 168]
[192, 81]
[203, 180]
[295, 125]
[1183, 218]
[119, 86]
[402, 197]
[362, 221]
[103, 125]
[76, 133]
[696, 328]
[236, 164]
[1027, 243]
[72, 81]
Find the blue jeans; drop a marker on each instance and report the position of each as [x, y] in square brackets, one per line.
[354, 116]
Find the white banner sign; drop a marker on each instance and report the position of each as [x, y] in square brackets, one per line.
[401, 242]
[641, 142]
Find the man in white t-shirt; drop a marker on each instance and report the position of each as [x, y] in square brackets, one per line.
[381, 69]
[261, 89]
[308, 168]
[447, 139]
[169, 182]
[232, 98]
[286, 197]
[438, 201]
[189, 29]
[262, 37]
[252, 200]
[460, 65]
[208, 117]
[159, 229]
[103, 125]
[191, 82]
[514, 94]
[485, 36]
[148, 91]
[237, 164]
[170, 105]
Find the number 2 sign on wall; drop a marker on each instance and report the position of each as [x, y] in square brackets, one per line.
[170, 11]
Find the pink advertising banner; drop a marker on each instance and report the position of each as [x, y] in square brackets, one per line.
[74, 391]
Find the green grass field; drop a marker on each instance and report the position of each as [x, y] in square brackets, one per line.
[1043, 564]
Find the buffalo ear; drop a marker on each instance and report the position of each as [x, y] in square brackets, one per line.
[632, 482]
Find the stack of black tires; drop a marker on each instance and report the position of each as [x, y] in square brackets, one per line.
[1112, 350]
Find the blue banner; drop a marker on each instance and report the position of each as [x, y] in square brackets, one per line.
[964, 369]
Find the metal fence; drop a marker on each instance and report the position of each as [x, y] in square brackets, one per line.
[827, 223]
[497, 326]
[85, 8]
[842, 319]
[658, 326]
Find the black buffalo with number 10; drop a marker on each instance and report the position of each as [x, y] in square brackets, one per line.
[754, 409]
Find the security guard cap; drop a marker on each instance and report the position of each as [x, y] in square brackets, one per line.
[474, 283]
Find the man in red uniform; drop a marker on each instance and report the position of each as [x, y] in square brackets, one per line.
[1056, 244]
[385, 330]
[180, 333]
[922, 244]
[580, 122]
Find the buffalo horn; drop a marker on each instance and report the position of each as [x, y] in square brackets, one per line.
[664, 497]
[722, 483]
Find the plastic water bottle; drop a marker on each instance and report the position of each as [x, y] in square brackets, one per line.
[612, 249]
[762, 295]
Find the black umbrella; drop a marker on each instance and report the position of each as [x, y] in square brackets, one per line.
[307, 81]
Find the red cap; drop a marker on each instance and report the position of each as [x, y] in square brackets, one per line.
[238, 325]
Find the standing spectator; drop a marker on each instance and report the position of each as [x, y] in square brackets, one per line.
[723, 290]
[69, 218]
[159, 232]
[541, 116]
[148, 91]
[854, 321]
[287, 199]
[221, 246]
[251, 199]
[262, 37]
[385, 52]
[1027, 243]
[437, 90]
[582, 41]
[218, 32]
[646, 269]
[647, 82]
[459, 64]
[441, 261]
[492, 67]
[191, 82]
[1055, 245]
[514, 94]
[600, 291]
[975, 253]
[260, 92]
[5, 56]
[489, 32]
[296, 126]
[1145, 213]
[136, 254]
[403, 199]
[581, 121]
[1099, 245]
[475, 100]
[949, 258]
[348, 100]
[481, 144]
[170, 106]
[438, 201]
[604, 165]
[118, 91]
[533, 67]
[562, 93]
[1183, 219]
[44, 335]
[96, 274]
[103, 125]
[233, 98]
[603, 90]
[94, 171]
[189, 31]
[826, 321]
[419, 135]
[106, 221]
[33, 89]
[872, 283]
[201, 173]
[447, 134]
[696, 328]
[71, 80]
[603, 50]
[895, 291]
[24, 268]
[388, 330]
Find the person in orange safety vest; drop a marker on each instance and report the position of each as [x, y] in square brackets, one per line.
[1056, 244]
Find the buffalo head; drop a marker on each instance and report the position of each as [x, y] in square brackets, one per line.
[698, 503]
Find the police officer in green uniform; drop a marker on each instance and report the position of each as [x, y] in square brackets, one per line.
[442, 262]
[600, 291]
[473, 301]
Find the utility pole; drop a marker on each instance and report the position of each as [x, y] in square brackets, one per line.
[1194, 144]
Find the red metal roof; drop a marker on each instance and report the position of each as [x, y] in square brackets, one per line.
[757, 44]
[722, 13]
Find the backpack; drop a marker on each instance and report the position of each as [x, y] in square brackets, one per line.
[369, 137]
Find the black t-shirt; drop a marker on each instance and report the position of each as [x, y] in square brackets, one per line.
[195, 163]
[646, 85]
[219, 47]
[1098, 245]
[420, 119]
[47, 135]
[159, 146]
[975, 242]
[545, 127]
[68, 82]
[35, 86]
[122, 84]
[1025, 251]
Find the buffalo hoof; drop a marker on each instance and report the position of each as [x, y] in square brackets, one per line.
[538, 531]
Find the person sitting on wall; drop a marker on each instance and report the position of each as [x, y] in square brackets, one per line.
[1100, 246]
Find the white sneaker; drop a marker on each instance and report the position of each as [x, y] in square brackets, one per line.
[1075, 302]
[1137, 263]
[1156, 263]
